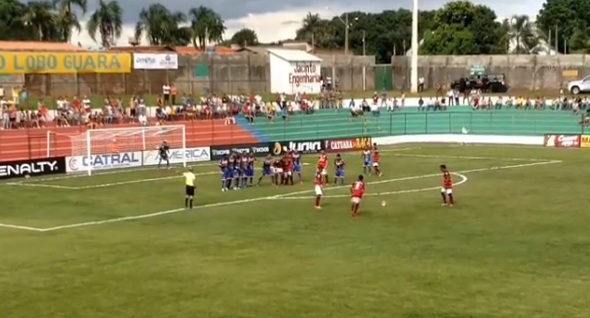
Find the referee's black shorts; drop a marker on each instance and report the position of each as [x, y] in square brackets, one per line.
[190, 191]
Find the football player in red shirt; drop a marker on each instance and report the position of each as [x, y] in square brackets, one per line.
[357, 190]
[288, 170]
[376, 161]
[323, 166]
[318, 187]
[447, 189]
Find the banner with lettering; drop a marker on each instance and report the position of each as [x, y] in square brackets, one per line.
[348, 144]
[149, 61]
[64, 63]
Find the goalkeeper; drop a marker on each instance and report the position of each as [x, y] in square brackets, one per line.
[164, 154]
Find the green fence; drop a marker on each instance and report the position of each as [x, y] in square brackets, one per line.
[339, 124]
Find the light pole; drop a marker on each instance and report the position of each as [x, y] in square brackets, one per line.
[414, 62]
[346, 29]
[364, 46]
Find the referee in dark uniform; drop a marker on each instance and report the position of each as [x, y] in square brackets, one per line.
[164, 152]
[189, 180]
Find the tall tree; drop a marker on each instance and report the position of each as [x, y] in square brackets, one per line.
[41, 18]
[312, 26]
[12, 24]
[207, 26]
[162, 27]
[107, 20]
[522, 37]
[567, 20]
[488, 35]
[67, 18]
[245, 37]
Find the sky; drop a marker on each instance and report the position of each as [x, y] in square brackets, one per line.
[274, 20]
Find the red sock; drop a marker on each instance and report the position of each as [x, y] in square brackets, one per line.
[318, 201]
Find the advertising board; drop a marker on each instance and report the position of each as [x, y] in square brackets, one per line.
[585, 141]
[104, 162]
[32, 168]
[301, 146]
[258, 150]
[562, 141]
[153, 61]
[347, 144]
[64, 63]
[152, 157]
[294, 71]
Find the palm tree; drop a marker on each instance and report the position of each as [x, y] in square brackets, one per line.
[522, 37]
[107, 20]
[162, 27]
[207, 26]
[67, 18]
[311, 25]
[43, 20]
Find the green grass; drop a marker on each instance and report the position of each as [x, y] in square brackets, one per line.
[515, 245]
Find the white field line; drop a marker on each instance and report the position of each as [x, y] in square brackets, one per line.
[462, 181]
[280, 196]
[114, 171]
[20, 227]
[151, 215]
[468, 157]
[41, 185]
[431, 175]
[103, 185]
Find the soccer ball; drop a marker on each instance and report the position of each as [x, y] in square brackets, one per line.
[27, 176]
[383, 203]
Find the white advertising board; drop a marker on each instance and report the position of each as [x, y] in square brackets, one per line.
[103, 162]
[293, 72]
[152, 157]
[144, 61]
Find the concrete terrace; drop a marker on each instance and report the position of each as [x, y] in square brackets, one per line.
[339, 124]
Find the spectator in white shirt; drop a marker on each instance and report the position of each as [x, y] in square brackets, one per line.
[420, 84]
[166, 93]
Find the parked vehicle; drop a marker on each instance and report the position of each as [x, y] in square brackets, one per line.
[579, 86]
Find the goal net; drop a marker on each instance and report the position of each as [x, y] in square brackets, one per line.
[112, 141]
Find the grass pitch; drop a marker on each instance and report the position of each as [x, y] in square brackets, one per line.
[120, 244]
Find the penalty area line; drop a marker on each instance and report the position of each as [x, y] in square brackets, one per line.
[20, 227]
[282, 196]
[273, 197]
[460, 182]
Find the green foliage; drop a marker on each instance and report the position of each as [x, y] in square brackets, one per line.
[461, 27]
[162, 27]
[107, 21]
[207, 26]
[245, 37]
[569, 20]
[450, 40]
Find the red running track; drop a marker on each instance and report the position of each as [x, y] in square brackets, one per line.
[22, 144]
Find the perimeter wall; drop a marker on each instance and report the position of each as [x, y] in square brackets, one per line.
[530, 72]
[246, 73]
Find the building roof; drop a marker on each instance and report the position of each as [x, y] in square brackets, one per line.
[142, 49]
[294, 55]
[32, 46]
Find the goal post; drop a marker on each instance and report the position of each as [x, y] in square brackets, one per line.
[113, 141]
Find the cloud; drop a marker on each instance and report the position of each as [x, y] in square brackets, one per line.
[274, 20]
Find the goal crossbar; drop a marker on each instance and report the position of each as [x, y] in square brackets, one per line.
[123, 140]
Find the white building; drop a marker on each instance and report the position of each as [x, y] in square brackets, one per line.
[294, 71]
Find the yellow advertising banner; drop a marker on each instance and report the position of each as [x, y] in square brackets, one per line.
[64, 63]
[585, 141]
